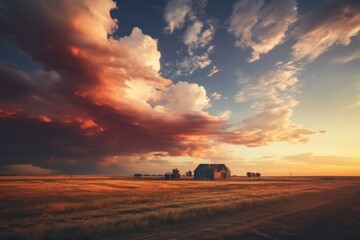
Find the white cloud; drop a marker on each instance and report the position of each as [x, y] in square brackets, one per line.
[216, 96]
[197, 37]
[184, 97]
[347, 58]
[192, 63]
[225, 115]
[197, 42]
[336, 24]
[214, 70]
[261, 26]
[175, 14]
[140, 92]
[192, 34]
[143, 48]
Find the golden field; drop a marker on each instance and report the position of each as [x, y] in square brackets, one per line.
[92, 207]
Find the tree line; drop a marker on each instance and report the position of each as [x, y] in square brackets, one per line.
[252, 174]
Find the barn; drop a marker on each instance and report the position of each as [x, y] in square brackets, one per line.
[212, 172]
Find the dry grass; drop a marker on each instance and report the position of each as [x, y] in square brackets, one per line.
[93, 207]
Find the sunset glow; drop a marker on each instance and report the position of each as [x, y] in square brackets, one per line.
[118, 87]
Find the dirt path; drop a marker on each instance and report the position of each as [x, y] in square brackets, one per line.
[327, 215]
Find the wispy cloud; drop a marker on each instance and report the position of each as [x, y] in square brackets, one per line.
[347, 58]
[273, 94]
[261, 26]
[214, 70]
[321, 29]
[273, 98]
[216, 96]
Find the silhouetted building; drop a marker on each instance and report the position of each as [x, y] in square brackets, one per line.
[172, 175]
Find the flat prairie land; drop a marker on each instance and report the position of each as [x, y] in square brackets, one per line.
[104, 207]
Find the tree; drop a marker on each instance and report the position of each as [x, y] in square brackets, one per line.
[253, 174]
[189, 173]
[248, 174]
[175, 173]
[258, 174]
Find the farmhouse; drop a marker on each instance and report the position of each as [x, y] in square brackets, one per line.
[212, 172]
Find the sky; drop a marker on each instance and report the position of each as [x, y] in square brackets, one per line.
[119, 87]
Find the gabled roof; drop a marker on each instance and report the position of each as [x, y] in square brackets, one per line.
[210, 167]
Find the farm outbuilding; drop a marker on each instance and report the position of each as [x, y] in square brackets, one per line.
[171, 175]
[212, 172]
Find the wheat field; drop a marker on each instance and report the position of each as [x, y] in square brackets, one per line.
[92, 207]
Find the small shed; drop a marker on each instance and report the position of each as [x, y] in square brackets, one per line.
[167, 175]
[172, 175]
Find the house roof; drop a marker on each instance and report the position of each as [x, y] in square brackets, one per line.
[210, 167]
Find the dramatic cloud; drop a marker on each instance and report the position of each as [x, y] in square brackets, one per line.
[348, 58]
[97, 96]
[319, 30]
[261, 26]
